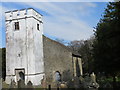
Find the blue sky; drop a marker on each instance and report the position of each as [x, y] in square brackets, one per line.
[64, 20]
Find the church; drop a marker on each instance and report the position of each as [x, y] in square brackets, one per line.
[31, 56]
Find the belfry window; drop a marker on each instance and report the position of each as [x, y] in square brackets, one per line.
[38, 27]
[17, 26]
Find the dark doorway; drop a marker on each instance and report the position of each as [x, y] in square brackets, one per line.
[77, 68]
[22, 75]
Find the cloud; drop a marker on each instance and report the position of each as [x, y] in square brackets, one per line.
[63, 20]
[58, 0]
[72, 30]
[91, 4]
[2, 24]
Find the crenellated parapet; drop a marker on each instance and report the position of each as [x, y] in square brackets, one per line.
[23, 13]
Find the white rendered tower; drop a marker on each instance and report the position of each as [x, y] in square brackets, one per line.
[24, 46]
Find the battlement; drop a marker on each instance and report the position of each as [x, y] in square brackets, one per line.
[23, 13]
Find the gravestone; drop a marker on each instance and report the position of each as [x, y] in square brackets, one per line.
[21, 84]
[93, 77]
[1, 83]
[29, 84]
[13, 84]
[90, 81]
[43, 82]
[93, 82]
[81, 79]
[76, 82]
[107, 85]
[86, 81]
[63, 85]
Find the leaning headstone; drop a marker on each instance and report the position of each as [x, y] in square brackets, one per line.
[21, 84]
[93, 82]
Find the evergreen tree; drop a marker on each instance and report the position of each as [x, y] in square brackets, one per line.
[3, 62]
[107, 43]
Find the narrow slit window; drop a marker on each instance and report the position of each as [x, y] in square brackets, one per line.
[38, 27]
[16, 25]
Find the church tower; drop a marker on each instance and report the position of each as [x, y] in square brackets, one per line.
[24, 46]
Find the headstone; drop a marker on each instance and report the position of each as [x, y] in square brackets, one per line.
[43, 82]
[90, 82]
[86, 81]
[81, 79]
[107, 85]
[21, 84]
[1, 83]
[63, 85]
[93, 82]
[13, 84]
[29, 84]
[87, 78]
[93, 77]
[76, 82]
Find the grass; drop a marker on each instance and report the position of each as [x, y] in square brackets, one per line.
[4, 85]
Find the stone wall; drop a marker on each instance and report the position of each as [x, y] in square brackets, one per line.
[57, 57]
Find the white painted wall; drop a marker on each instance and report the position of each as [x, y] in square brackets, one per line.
[27, 42]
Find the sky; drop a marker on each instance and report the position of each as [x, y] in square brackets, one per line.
[63, 20]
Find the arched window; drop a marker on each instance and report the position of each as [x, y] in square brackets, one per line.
[57, 76]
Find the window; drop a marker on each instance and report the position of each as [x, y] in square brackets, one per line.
[37, 26]
[57, 76]
[16, 25]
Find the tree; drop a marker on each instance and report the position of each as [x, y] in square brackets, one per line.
[84, 48]
[107, 41]
[86, 52]
[62, 41]
[75, 45]
[3, 62]
[0, 62]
